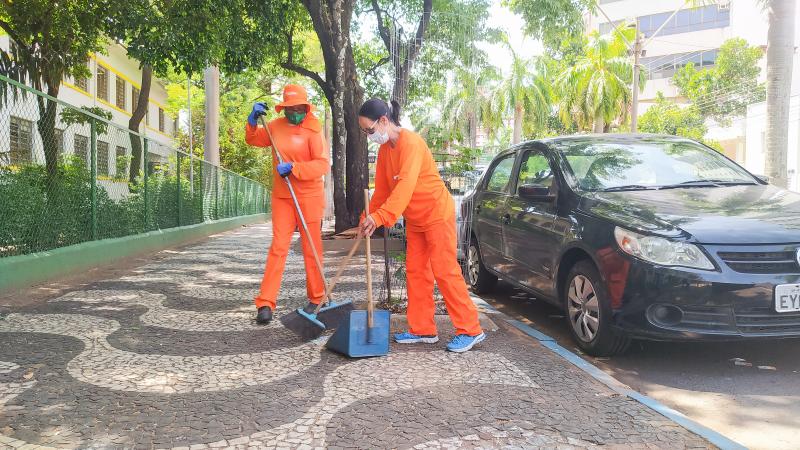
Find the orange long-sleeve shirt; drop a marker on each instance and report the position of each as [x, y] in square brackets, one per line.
[407, 183]
[302, 145]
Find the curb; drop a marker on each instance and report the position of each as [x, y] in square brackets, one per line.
[548, 342]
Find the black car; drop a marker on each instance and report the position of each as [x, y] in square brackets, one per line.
[638, 236]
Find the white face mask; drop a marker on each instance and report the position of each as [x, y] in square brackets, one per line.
[379, 138]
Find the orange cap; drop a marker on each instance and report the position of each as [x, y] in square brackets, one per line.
[294, 95]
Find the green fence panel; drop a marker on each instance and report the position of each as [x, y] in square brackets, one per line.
[67, 176]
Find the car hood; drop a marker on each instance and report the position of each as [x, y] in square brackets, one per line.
[753, 214]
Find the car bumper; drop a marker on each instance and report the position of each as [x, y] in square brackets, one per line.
[683, 304]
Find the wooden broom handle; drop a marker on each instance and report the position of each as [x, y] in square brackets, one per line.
[369, 264]
[343, 264]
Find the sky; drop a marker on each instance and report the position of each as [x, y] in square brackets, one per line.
[501, 17]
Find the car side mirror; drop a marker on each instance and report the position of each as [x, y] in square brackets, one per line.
[763, 178]
[536, 193]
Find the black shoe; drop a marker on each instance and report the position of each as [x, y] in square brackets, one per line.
[264, 315]
[310, 308]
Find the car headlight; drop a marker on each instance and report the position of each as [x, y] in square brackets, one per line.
[661, 251]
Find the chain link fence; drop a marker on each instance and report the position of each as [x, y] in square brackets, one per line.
[69, 175]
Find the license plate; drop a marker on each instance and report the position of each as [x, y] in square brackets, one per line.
[787, 298]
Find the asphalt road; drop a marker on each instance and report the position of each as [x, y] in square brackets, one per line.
[757, 407]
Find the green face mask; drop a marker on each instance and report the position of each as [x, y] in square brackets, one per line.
[295, 118]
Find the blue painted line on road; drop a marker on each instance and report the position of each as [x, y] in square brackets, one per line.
[701, 430]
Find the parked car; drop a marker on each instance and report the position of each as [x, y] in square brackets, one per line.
[639, 236]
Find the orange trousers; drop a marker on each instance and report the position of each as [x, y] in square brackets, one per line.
[431, 255]
[284, 223]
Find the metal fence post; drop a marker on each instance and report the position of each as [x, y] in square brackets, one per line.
[236, 196]
[145, 176]
[93, 163]
[178, 178]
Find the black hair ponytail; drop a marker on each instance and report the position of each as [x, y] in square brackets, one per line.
[375, 108]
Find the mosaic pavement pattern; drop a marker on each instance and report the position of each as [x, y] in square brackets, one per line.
[169, 356]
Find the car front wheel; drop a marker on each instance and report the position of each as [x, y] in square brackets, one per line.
[479, 279]
[589, 312]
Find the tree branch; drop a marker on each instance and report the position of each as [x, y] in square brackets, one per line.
[382, 61]
[424, 22]
[289, 64]
[384, 32]
[12, 34]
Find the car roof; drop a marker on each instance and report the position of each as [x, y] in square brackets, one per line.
[613, 138]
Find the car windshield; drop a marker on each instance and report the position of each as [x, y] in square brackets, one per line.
[648, 164]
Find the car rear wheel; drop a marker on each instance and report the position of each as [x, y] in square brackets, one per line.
[589, 312]
[479, 279]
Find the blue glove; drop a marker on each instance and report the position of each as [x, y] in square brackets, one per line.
[259, 109]
[284, 169]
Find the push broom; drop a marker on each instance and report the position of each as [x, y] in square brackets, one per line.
[310, 326]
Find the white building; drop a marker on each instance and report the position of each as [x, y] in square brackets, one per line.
[692, 36]
[113, 86]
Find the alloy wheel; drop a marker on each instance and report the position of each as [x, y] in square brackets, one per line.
[584, 308]
[473, 265]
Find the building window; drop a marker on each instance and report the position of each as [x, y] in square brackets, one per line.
[120, 92]
[122, 162]
[102, 158]
[82, 84]
[80, 148]
[134, 98]
[687, 20]
[102, 83]
[21, 137]
[665, 66]
[160, 120]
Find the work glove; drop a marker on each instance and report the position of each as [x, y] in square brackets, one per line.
[259, 109]
[284, 169]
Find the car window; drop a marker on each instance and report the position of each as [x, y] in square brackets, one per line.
[535, 170]
[501, 175]
[649, 163]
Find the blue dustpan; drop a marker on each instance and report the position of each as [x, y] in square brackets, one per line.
[363, 333]
[356, 339]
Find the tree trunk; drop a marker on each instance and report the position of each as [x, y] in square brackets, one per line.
[402, 54]
[46, 126]
[599, 125]
[331, 21]
[136, 120]
[518, 115]
[780, 52]
[473, 131]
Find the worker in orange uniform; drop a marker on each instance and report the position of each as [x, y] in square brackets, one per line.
[407, 183]
[298, 137]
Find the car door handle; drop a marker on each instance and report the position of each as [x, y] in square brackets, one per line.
[505, 218]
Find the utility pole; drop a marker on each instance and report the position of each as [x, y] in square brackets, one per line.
[637, 52]
[211, 149]
[191, 142]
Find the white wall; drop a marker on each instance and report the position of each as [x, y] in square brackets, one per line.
[119, 66]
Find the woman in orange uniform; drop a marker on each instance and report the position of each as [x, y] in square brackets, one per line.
[298, 136]
[407, 183]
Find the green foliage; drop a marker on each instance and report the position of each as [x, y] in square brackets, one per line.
[595, 92]
[724, 91]
[72, 116]
[667, 117]
[39, 216]
[552, 21]
[463, 160]
[189, 35]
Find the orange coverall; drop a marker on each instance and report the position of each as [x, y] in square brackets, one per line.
[407, 183]
[304, 146]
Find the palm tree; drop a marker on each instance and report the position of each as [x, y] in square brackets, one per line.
[525, 91]
[780, 52]
[467, 105]
[596, 90]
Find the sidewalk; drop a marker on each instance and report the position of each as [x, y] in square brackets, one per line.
[169, 356]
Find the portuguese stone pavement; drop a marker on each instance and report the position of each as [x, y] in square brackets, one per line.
[168, 356]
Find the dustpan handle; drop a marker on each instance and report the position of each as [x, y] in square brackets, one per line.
[369, 264]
